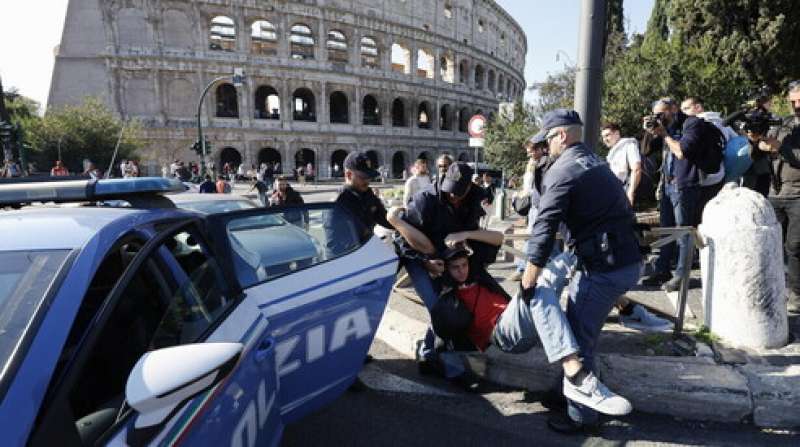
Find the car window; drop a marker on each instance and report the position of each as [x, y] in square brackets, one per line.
[217, 206]
[272, 244]
[25, 277]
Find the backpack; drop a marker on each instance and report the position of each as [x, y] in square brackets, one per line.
[712, 144]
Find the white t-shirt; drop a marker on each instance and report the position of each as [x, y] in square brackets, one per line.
[414, 184]
[623, 156]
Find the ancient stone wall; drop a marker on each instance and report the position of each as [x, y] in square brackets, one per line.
[399, 78]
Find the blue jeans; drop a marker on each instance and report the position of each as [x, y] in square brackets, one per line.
[591, 297]
[451, 362]
[518, 325]
[678, 208]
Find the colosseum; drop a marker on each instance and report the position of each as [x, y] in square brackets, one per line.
[398, 79]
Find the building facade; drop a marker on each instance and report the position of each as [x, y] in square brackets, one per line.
[398, 79]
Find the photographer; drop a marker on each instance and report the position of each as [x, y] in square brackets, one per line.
[786, 195]
[758, 176]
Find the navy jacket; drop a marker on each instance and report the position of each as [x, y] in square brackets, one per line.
[580, 190]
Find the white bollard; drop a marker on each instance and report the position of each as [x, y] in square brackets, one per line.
[743, 277]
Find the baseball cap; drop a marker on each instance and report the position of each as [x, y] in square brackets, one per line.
[556, 118]
[358, 161]
[458, 251]
[457, 179]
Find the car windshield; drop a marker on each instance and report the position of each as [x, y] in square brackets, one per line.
[217, 206]
[25, 277]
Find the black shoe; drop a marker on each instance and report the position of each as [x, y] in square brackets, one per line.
[554, 399]
[565, 425]
[673, 285]
[468, 382]
[656, 279]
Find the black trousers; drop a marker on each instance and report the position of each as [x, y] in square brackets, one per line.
[787, 210]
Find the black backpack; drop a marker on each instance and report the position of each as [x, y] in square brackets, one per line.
[712, 148]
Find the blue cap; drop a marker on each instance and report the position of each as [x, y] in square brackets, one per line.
[556, 118]
[359, 161]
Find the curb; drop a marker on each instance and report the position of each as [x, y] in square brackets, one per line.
[693, 388]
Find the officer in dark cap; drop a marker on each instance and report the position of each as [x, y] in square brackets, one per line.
[580, 190]
[357, 197]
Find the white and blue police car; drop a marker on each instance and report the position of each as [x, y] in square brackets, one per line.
[151, 325]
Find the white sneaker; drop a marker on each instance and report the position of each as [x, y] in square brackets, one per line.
[597, 396]
[644, 320]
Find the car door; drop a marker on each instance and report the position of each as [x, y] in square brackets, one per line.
[322, 286]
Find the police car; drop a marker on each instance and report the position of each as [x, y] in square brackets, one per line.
[150, 325]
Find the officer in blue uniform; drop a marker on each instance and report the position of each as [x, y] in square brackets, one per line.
[580, 190]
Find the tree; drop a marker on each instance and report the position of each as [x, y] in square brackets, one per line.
[557, 91]
[506, 136]
[86, 131]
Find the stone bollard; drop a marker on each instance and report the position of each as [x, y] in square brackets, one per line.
[743, 275]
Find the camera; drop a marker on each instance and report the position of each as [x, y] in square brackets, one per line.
[759, 121]
[653, 121]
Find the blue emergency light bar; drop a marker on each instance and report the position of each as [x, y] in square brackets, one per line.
[71, 189]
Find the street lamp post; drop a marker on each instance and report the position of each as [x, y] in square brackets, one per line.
[237, 78]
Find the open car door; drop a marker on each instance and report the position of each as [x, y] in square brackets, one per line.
[322, 285]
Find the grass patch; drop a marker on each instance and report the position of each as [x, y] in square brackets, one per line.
[705, 335]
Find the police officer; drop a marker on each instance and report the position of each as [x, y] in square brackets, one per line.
[580, 190]
[357, 197]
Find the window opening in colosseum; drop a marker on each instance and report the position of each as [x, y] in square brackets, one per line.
[337, 46]
[479, 77]
[337, 159]
[338, 108]
[223, 34]
[371, 111]
[301, 42]
[463, 69]
[268, 103]
[500, 84]
[481, 25]
[269, 155]
[401, 59]
[303, 158]
[398, 164]
[230, 156]
[446, 68]
[264, 38]
[448, 10]
[490, 81]
[463, 119]
[424, 115]
[399, 113]
[425, 63]
[227, 102]
[372, 156]
[445, 118]
[369, 53]
[304, 107]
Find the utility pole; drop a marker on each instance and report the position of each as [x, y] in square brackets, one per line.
[589, 77]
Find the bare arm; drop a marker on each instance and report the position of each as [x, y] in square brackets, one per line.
[674, 147]
[636, 177]
[488, 236]
[415, 238]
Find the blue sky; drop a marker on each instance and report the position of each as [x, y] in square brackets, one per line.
[26, 51]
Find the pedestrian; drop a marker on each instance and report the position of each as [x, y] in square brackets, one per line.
[580, 190]
[207, 186]
[91, 171]
[623, 158]
[418, 181]
[268, 174]
[263, 191]
[222, 185]
[59, 170]
[785, 196]
[710, 184]
[284, 194]
[442, 164]
[301, 175]
[310, 171]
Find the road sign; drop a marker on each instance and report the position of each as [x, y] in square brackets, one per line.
[476, 126]
[476, 142]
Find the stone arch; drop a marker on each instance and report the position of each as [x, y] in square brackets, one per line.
[301, 42]
[269, 155]
[446, 67]
[337, 159]
[133, 29]
[425, 63]
[463, 119]
[479, 77]
[303, 105]
[338, 108]
[267, 103]
[463, 71]
[180, 93]
[399, 161]
[371, 111]
[227, 101]
[303, 157]
[399, 115]
[140, 98]
[370, 53]
[401, 58]
[177, 30]
[424, 115]
[263, 38]
[222, 34]
[229, 155]
[337, 46]
[490, 81]
[374, 158]
[445, 117]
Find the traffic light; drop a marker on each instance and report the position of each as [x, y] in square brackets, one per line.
[198, 148]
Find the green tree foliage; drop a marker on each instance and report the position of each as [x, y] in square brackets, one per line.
[557, 91]
[505, 139]
[20, 108]
[86, 131]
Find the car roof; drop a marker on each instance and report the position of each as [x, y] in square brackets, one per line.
[50, 227]
[188, 197]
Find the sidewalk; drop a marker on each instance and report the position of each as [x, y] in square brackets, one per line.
[698, 378]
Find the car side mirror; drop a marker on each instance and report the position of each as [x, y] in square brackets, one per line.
[163, 379]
